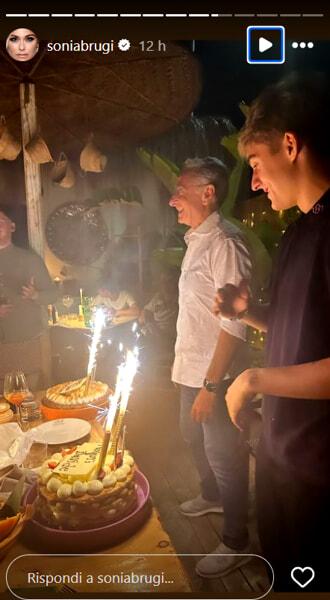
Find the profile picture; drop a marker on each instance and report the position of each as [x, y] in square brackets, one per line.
[22, 44]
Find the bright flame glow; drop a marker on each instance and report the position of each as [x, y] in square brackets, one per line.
[129, 368]
[125, 376]
[121, 347]
[134, 326]
[98, 325]
[111, 412]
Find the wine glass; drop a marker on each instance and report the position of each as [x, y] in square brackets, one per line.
[15, 387]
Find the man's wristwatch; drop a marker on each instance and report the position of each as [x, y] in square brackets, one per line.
[210, 386]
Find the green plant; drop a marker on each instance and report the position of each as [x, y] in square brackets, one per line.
[166, 171]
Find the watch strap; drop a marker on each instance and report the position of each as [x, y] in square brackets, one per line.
[210, 386]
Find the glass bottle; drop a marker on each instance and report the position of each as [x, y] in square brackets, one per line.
[87, 310]
[30, 412]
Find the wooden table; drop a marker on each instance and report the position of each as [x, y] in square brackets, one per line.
[151, 539]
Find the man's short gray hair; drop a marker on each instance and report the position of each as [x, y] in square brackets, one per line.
[213, 170]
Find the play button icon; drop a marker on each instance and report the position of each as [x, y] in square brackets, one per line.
[265, 44]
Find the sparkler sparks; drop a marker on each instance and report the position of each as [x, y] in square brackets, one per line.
[129, 371]
[99, 322]
[113, 427]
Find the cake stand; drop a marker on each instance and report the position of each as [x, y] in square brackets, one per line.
[49, 539]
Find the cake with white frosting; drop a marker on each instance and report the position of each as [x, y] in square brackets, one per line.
[72, 497]
[72, 394]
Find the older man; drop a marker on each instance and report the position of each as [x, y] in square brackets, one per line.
[25, 291]
[205, 355]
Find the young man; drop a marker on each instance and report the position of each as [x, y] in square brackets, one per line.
[286, 141]
[215, 255]
[25, 291]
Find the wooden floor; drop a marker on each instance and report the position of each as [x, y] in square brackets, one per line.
[155, 439]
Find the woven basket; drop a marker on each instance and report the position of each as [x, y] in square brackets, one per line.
[38, 151]
[92, 159]
[9, 147]
[62, 173]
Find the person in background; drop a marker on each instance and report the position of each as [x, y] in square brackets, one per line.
[158, 317]
[286, 142]
[117, 301]
[25, 291]
[206, 356]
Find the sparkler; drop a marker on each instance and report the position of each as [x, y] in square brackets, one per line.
[113, 427]
[108, 427]
[129, 372]
[98, 325]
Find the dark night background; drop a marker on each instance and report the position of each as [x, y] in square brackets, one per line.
[228, 78]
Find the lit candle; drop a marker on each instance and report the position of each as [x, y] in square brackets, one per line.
[81, 296]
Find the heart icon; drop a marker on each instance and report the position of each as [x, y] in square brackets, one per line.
[302, 576]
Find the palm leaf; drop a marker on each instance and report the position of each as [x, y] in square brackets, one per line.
[166, 171]
[261, 259]
[230, 143]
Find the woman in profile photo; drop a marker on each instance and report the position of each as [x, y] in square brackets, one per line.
[22, 44]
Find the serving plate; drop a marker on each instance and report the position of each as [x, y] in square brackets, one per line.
[62, 431]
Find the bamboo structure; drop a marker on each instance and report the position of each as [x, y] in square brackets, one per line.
[32, 170]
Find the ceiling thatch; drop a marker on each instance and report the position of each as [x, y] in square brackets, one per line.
[120, 97]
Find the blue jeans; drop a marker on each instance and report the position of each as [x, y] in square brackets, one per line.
[221, 457]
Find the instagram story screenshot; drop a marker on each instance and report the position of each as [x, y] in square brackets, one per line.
[164, 300]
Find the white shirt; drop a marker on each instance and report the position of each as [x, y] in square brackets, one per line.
[216, 255]
[124, 300]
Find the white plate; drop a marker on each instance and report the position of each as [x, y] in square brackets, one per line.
[61, 431]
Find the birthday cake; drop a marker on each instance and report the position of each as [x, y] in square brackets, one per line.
[73, 394]
[71, 496]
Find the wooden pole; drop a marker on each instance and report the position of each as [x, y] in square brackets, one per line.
[33, 188]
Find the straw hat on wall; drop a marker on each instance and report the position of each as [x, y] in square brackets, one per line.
[9, 147]
[37, 150]
[92, 159]
[62, 173]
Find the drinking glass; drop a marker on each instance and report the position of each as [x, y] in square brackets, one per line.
[15, 387]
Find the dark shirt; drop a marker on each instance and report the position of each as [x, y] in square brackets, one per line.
[28, 318]
[297, 431]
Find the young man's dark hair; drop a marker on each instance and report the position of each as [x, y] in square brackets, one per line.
[213, 170]
[297, 104]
